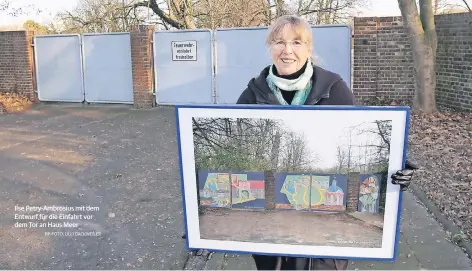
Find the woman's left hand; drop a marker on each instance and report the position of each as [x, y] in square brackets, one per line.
[403, 177]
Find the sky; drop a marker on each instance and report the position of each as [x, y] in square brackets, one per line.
[50, 7]
[324, 134]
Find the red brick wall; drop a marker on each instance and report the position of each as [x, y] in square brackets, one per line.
[353, 186]
[454, 58]
[16, 63]
[383, 64]
[141, 55]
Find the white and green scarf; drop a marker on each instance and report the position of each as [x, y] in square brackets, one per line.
[302, 85]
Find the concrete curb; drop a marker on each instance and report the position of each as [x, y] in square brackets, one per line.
[197, 260]
[456, 233]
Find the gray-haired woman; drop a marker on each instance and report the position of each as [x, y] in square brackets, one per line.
[294, 79]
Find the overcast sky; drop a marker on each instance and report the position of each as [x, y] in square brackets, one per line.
[323, 136]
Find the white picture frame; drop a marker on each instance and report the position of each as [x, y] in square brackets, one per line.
[307, 116]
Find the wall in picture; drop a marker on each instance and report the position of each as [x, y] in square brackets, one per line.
[245, 191]
[316, 192]
[292, 191]
[329, 192]
[369, 193]
[214, 189]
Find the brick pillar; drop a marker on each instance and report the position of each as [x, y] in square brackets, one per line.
[17, 62]
[365, 58]
[353, 185]
[269, 189]
[141, 57]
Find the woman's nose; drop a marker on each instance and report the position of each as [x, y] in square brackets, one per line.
[288, 49]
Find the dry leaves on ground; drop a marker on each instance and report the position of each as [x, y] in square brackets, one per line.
[13, 102]
[441, 144]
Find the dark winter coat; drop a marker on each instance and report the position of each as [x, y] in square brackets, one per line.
[328, 89]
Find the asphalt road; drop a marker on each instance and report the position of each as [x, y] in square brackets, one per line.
[120, 162]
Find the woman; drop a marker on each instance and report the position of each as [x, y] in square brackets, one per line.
[293, 79]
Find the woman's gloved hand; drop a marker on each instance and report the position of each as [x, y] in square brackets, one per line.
[403, 177]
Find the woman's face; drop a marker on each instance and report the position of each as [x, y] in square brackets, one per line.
[288, 53]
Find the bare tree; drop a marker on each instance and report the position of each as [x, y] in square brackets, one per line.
[423, 41]
[366, 147]
[249, 144]
[4, 5]
[327, 11]
[119, 15]
[295, 155]
[233, 144]
[8, 9]
[101, 16]
[342, 159]
[237, 13]
[449, 6]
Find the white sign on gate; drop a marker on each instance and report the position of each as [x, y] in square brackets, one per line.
[179, 77]
[184, 50]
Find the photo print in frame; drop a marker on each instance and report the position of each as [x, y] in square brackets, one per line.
[305, 181]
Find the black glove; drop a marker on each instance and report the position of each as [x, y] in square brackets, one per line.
[403, 177]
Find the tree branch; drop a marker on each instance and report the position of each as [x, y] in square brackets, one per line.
[310, 11]
[467, 5]
[152, 4]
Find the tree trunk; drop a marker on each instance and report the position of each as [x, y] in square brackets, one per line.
[423, 41]
[275, 151]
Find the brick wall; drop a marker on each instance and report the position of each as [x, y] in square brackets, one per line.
[383, 64]
[141, 55]
[16, 63]
[353, 186]
[454, 58]
[269, 189]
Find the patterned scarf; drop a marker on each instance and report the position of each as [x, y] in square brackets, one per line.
[302, 85]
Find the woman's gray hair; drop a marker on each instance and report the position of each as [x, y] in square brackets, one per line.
[301, 27]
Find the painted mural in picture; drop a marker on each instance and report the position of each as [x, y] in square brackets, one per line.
[369, 193]
[320, 192]
[245, 191]
[329, 192]
[214, 189]
[292, 191]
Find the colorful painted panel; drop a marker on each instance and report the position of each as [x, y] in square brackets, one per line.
[214, 189]
[329, 192]
[247, 190]
[292, 191]
[369, 193]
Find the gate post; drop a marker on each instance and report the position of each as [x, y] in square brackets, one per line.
[17, 63]
[141, 57]
[353, 187]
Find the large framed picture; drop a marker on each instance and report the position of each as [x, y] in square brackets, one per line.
[302, 181]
